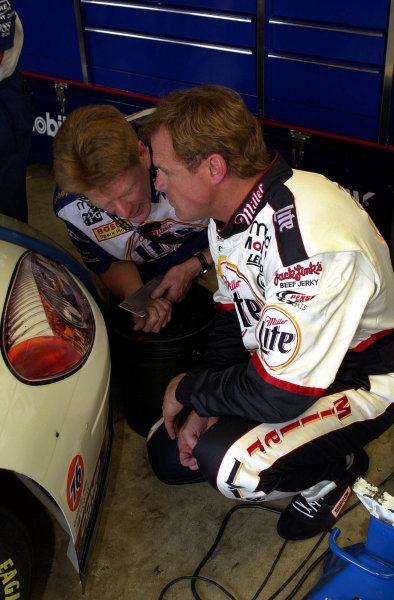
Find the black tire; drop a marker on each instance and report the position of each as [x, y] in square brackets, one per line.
[15, 558]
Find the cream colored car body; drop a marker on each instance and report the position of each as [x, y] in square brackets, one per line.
[56, 437]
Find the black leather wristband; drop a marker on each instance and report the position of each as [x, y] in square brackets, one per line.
[203, 261]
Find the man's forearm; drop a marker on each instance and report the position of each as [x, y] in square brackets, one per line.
[122, 279]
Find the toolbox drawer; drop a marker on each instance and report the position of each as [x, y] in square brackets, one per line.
[359, 13]
[232, 5]
[207, 25]
[324, 96]
[334, 42]
[175, 60]
[324, 65]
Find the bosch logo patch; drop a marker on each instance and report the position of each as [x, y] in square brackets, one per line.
[279, 337]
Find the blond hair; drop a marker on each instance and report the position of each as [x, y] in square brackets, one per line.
[211, 119]
[93, 145]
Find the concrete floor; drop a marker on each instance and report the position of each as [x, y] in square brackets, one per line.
[150, 533]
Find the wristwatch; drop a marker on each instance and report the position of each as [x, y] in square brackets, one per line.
[205, 267]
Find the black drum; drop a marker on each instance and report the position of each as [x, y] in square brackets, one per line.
[144, 363]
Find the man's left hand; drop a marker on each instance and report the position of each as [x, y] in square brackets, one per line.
[189, 434]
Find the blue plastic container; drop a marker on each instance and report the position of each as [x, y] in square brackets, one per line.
[364, 570]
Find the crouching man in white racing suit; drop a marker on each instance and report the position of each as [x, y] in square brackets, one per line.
[299, 369]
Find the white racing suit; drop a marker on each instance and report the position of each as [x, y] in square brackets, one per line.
[300, 364]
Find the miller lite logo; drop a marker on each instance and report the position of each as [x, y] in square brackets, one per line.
[285, 217]
[279, 337]
[248, 211]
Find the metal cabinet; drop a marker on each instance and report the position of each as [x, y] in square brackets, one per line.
[326, 65]
[51, 42]
[156, 47]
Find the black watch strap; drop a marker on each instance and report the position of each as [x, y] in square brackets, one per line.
[204, 263]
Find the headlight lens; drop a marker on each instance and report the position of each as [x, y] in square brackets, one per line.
[47, 325]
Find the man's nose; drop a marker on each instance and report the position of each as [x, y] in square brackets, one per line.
[120, 209]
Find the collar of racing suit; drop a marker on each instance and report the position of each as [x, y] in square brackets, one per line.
[275, 175]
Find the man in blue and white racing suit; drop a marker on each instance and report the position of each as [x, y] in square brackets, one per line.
[299, 368]
[106, 197]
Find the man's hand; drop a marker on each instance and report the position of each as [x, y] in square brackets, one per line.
[189, 434]
[158, 315]
[177, 281]
[171, 407]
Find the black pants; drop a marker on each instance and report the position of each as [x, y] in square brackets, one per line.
[248, 460]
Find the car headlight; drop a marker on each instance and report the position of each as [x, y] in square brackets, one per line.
[47, 324]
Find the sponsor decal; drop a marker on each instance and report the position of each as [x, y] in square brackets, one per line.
[299, 273]
[341, 502]
[259, 231]
[297, 300]
[90, 500]
[90, 214]
[292, 298]
[285, 217]
[5, 29]
[238, 489]
[248, 309]
[302, 283]
[90, 497]
[11, 585]
[340, 408]
[231, 284]
[47, 125]
[279, 337]
[257, 242]
[60, 195]
[241, 479]
[75, 479]
[260, 279]
[108, 231]
[5, 5]
[249, 209]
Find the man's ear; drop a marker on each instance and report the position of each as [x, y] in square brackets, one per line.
[143, 154]
[217, 167]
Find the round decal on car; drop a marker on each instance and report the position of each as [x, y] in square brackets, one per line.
[75, 482]
[279, 337]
